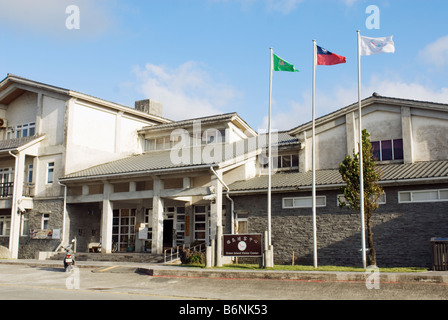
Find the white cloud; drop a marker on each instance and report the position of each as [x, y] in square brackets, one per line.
[349, 2]
[436, 53]
[282, 6]
[49, 16]
[186, 92]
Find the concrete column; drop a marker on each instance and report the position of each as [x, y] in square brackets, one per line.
[14, 234]
[157, 217]
[216, 217]
[302, 152]
[140, 218]
[406, 133]
[107, 219]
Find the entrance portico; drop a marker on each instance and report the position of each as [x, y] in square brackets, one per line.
[146, 215]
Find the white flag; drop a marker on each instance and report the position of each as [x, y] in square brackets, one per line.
[371, 46]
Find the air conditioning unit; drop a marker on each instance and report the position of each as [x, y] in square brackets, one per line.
[3, 123]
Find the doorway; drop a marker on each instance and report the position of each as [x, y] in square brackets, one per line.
[168, 233]
[123, 229]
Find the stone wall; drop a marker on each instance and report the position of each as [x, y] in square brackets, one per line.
[85, 224]
[402, 232]
[54, 207]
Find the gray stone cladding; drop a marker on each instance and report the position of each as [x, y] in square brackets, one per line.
[402, 231]
[29, 247]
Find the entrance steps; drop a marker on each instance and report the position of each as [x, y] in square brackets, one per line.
[113, 257]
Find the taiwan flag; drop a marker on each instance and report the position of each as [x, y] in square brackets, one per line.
[327, 58]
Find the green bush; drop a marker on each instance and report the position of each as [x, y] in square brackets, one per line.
[191, 257]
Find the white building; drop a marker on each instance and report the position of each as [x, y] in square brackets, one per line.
[45, 133]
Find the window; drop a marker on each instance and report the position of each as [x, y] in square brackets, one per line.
[46, 221]
[50, 172]
[30, 174]
[288, 161]
[304, 202]
[6, 182]
[241, 220]
[213, 136]
[161, 143]
[22, 130]
[5, 225]
[25, 225]
[423, 196]
[341, 198]
[386, 150]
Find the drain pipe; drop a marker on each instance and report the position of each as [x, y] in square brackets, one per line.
[232, 204]
[63, 216]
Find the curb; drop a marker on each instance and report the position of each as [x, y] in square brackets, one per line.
[429, 277]
[316, 276]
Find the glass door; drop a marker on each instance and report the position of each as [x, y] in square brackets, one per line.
[201, 223]
[123, 229]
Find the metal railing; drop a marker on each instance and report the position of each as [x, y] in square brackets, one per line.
[173, 254]
[6, 189]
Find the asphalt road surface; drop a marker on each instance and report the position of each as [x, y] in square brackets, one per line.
[115, 283]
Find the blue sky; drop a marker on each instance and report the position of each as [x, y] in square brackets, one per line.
[204, 57]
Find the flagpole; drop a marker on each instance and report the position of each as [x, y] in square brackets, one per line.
[361, 173]
[314, 157]
[269, 151]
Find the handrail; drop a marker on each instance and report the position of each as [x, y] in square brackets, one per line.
[175, 251]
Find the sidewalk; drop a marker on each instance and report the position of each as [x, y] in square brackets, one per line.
[164, 270]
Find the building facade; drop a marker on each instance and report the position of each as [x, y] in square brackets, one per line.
[45, 133]
[410, 143]
[75, 166]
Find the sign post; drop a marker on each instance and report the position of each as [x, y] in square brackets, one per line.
[242, 245]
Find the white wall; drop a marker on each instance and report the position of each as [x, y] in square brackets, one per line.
[98, 134]
[52, 122]
[430, 138]
[22, 110]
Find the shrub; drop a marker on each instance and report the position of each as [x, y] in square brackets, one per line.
[191, 257]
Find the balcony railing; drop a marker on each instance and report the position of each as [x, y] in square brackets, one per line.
[6, 189]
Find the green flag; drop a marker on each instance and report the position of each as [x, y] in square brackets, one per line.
[282, 65]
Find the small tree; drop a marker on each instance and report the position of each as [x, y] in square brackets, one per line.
[349, 170]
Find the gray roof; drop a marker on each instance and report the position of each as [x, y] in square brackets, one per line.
[161, 161]
[374, 98]
[190, 122]
[16, 143]
[400, 173]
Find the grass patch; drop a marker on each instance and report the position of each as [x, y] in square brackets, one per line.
[311, 268]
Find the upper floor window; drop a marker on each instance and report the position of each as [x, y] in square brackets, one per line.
[385, 150]
[22, 130]
[167, 142]
[46, 221]
[50, 172]
[287, 161]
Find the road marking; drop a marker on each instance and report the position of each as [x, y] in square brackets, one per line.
[107, 269]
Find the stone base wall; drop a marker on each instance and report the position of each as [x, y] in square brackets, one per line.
[54, 207]
[402, 232]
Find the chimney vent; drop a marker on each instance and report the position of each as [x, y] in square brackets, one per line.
[149, 106]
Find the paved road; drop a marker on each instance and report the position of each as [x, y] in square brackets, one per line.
[119, 283]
